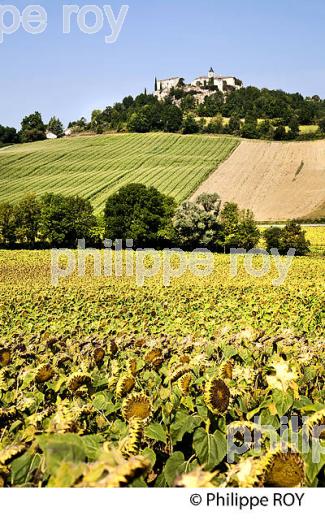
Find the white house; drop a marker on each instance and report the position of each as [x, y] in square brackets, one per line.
[49, 135]
[224, 83]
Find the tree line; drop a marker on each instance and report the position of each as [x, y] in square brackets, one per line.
[251, 113]
[143, 214]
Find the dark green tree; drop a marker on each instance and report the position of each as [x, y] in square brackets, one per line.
[27, 215]
[65, 220]
[7, 224]
[138, 213]
[56, 127]
[190, 125]
[32, 128]
[293, 236]
[273, 238]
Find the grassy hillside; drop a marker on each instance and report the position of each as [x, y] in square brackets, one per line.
[97, 166]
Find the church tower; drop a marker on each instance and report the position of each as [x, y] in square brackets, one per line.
[211, 73]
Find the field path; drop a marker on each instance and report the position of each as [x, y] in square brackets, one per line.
[277, 181]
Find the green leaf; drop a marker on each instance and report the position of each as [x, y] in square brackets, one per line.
[184, 423]
[58, 448]
[283, 401]
[92, 445]
[175, 466]
[156, 432]
[150, 455]
[22, 467]
[210, 449]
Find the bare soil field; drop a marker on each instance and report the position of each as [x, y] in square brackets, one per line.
[278, 181]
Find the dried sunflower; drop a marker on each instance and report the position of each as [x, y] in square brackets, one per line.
[184, 383]
[217, 396]
[99, 354]
[134, 438]
[283, 470]
[5, 357]
[178, 371]
[125, 384]
[154, 357]
[136, 406]
[44, 373]
[196, 479]
[8, 453]
[78, 380]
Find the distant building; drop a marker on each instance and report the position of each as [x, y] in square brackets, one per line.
[203, 85]
[49, 135]
[224, 83]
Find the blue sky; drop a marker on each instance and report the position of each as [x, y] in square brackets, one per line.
[274, 44]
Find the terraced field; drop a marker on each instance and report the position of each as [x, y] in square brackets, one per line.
[95, 167]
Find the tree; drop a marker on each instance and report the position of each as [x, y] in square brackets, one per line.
[33, 128]
[7, 224]
[234, 125]
[138, 213]
[249, 130]
[230, 217]
[215, 126]
[196, 223]
[27, 214]
[56, 127]
[139, 123]
[172, 118]
[273, 238]
[321, 125]
[294, 128]
[64, 220]
[156, 85]
[190, 125]
[8, 135]
[265, 129]
[280, 133]
[247, 234]
[294, 237]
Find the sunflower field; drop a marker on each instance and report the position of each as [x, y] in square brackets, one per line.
[106, 384]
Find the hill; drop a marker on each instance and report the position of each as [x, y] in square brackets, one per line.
[96, 166]
[277, 181]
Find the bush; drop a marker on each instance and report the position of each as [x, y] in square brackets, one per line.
[140, 214]
[196, 223]
[290, 237]
[190, 126]
[293, 236]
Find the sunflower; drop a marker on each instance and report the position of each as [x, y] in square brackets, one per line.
[136, 406]
[125, 384]
[196, 479]
[132, 366]
[184, 383]
[217, 396]
[178, 371]
[134, 437]
[8, 453]
[78, 380]
[5, 357]
[154, 357]
[226, 369]
[284, 470]
[317, 420]
[44, 373]
[99, 354]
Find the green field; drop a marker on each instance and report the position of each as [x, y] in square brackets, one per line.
[95, 167]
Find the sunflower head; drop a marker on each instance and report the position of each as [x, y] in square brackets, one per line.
[99, 354]
[184, 383]
[217, 396]
[125, 384]
[178, 371]
[78, 380]
[5, 357]
[154, 357]
[285, 470]
[44, 373]
[226, 369]
[137, 406]
[132, 366]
